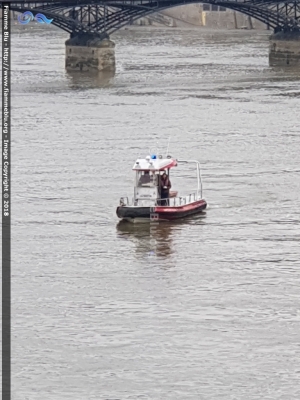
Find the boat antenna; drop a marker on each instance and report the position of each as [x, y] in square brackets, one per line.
[168, 145]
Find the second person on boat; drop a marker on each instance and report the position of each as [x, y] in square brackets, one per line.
[165, 186]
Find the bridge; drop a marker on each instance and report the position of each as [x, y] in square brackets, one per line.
[90, 24]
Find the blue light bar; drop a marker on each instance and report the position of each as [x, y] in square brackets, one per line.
[153, 157]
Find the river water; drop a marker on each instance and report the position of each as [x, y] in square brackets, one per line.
[205, 309]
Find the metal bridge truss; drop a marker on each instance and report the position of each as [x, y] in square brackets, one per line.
[102, 18]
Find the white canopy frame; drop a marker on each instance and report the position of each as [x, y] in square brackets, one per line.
[199, 179]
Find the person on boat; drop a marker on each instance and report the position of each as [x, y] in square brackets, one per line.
[165, 186]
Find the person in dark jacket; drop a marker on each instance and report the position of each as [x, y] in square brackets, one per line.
[165, 186]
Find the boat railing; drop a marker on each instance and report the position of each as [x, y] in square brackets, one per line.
[171, 201]
[179, 201]
[124, 201]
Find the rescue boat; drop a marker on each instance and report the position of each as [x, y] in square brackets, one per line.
[147, 204]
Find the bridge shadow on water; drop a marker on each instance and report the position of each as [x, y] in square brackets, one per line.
[90, 80]
[286, 72]
[291, 74]
[155, 239]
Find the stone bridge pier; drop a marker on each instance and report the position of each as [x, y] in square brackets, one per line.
[90, 52]
[95, 52]
[285, 49]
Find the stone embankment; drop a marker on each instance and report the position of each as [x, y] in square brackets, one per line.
[200, 15]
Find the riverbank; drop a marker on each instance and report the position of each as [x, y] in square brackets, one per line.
[202, 15]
